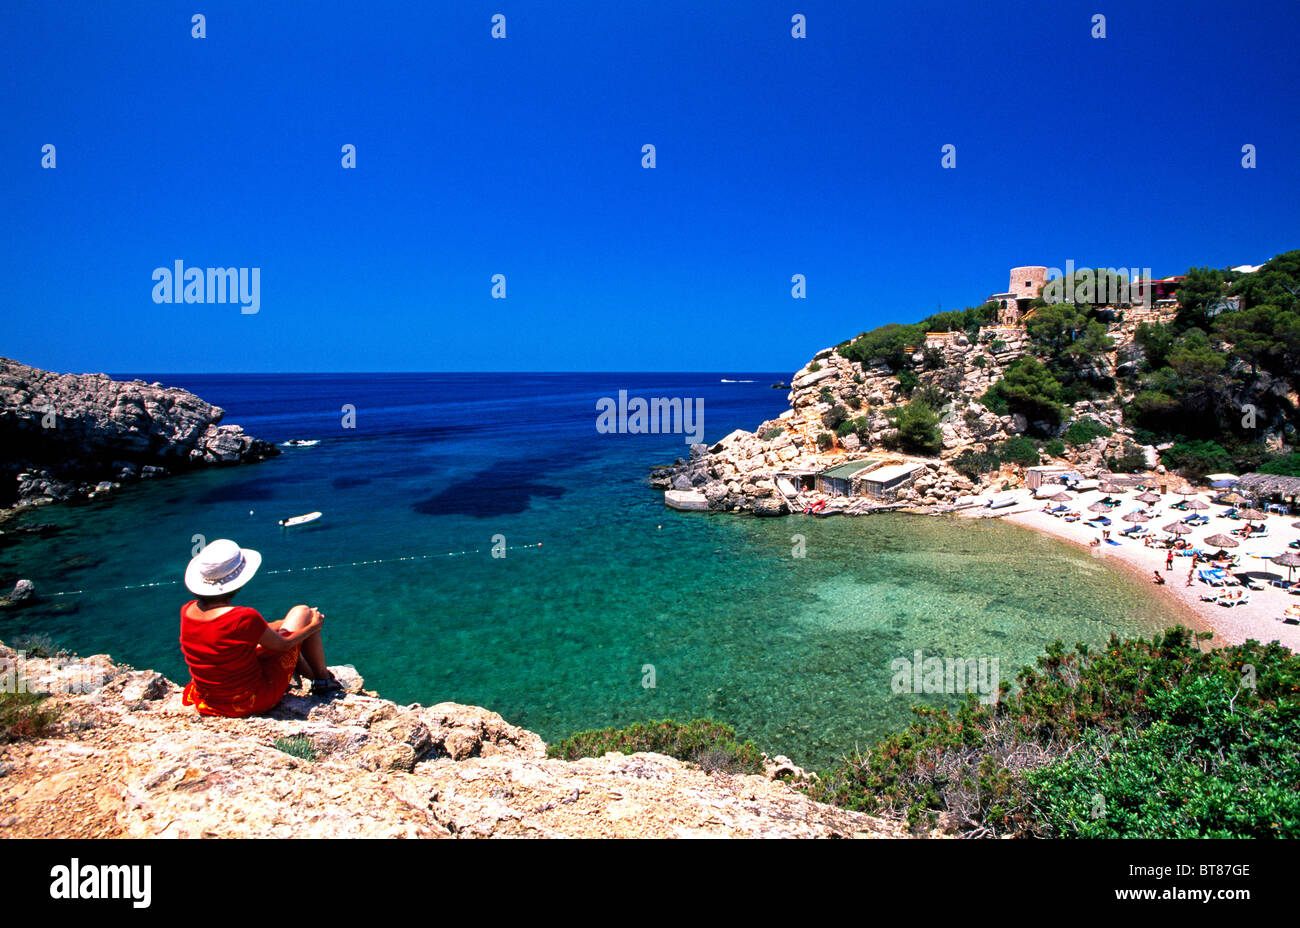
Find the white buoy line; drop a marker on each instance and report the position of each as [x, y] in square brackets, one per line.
[410, 558]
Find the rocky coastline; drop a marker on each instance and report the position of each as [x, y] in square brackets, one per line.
[125, 758]
[81, 436]
[738, 473]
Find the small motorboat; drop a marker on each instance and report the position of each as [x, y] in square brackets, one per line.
[299, 520]
[301, 443]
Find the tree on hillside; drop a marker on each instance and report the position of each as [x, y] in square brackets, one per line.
[1055, 327]
[1262, 334]
[1201, 296]
[1277, 283]
[918, 429]
[1155, 340]
[1029, 388]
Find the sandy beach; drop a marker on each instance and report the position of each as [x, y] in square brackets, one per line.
[1258, 619]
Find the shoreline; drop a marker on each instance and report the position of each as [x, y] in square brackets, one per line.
[1230, 625]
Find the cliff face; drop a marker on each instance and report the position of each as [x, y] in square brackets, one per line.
[127, 759]
[69, 435]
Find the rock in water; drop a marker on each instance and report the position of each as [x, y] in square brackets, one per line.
[65, 435]
[23, 591]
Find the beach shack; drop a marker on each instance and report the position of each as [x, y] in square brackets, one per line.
[886, 480]
[879, 479]
[1265, 487]
[838, 480]
[1036, 477]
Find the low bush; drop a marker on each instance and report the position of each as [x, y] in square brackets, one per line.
[25, 716]
[1082, 431]
[711, 745]
[1018, 450]
[299, 746]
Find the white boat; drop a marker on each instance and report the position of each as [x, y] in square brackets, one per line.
[1001, 502]
[299, 520]
[301, 443]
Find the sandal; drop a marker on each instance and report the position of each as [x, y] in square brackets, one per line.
[324, 687]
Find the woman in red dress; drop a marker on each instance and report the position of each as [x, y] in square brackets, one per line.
[239, 664]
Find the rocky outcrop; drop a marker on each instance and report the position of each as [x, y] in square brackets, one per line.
[127, 759]
[78, 435]
[738, 473]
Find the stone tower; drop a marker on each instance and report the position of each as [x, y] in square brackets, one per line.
[1027, 282]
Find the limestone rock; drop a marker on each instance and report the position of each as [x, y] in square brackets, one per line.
[69, 435]
[129, 760]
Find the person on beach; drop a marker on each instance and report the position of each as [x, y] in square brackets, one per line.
[1158, 579]
[1169, 561]
[1189, 575]
[239, 664]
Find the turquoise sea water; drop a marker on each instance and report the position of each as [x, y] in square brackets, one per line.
[794, 652]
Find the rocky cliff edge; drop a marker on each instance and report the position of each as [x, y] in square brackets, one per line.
[126, 759]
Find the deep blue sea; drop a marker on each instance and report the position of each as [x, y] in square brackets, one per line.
[601, 588]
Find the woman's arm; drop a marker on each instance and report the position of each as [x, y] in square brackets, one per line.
[280, 639]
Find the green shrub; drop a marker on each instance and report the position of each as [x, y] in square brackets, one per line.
[1018, 450]
[824, 441]
[772, 433]
[299, 746]
[1287, 465]
[857, 378]
[25, 716]
[814, 367]
[1137, 739]
[918, 429]
[832, 417]
[1029, 388]
[1195, 459]
[1082, 431]
[908, 381]
[979, 361]
[1055, 448]
[711, 745]
[825, 395]
[854, 401]
[973, 464]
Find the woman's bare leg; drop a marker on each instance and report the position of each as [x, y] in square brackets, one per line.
[302, 669]
[312, 650]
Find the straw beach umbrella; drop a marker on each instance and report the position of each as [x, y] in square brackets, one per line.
[1099, 507]
[1177, 528]
[1137, 517]
[1222, 541]
[1148, 497]
[1198, 504]
[1233, 498]
[1290, 560]
[1062, 498]
[1253, 515]
[1110, 488]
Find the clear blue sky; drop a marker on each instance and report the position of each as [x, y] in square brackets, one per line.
[522, 157]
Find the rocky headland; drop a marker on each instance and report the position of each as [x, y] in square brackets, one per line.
[125, 758]
[739, 473]
[77, 436]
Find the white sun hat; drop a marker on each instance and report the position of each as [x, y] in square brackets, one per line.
[221, 567]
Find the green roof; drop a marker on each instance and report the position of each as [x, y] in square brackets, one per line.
[845, 471]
